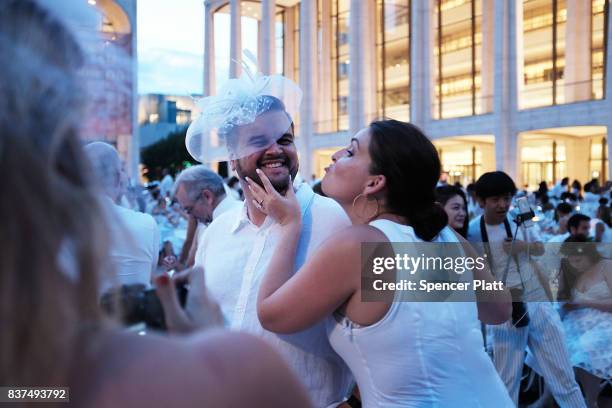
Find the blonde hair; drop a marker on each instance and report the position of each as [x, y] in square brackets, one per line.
[53, 236]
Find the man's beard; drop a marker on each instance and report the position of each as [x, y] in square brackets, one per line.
[279, 185]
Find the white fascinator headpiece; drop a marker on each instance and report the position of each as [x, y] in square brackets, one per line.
[248, 114]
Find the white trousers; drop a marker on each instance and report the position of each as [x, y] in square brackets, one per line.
[545, 338]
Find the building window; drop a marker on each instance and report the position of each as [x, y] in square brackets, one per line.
[542, 160]
[598, 160]
[544, 23]
[599, 24]
[457, 58]
[564, 52]
[393, 56]
[279, 42]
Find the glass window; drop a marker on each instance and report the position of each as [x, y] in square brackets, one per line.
[457, 58]
[546, 81]
[597, 48]
[279, 42]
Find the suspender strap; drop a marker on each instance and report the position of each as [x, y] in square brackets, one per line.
[485, 239]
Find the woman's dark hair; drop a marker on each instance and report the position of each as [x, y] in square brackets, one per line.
[563, 208]
[568, 275]
[543, 188]
[410, 163]
[603, 213]
[445, 193]
[494, 183]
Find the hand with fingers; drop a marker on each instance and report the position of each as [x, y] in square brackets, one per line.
[201, 311]
[283, 209]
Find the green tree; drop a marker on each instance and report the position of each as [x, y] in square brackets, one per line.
[169, 153]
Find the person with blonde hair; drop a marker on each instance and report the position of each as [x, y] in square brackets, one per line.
[55, 246]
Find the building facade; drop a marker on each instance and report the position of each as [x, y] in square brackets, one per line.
[111, 78]
[159, 115]
[515, 85]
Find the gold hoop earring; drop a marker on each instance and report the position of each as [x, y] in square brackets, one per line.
[367, 199]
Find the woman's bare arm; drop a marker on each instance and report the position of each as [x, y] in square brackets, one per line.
[292, 302]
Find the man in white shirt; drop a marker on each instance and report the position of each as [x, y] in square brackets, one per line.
[166, 185]
[237, 246]
[201, 193]
[577, 224]
[135, 239]
[534, 324]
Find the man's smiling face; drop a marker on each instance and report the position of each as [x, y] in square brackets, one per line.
[268, 144]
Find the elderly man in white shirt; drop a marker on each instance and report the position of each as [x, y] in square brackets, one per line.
[237, 246]
[203, 195]
[134, 243]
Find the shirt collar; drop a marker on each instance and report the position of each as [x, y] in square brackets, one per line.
[224, 205]
[303, 194]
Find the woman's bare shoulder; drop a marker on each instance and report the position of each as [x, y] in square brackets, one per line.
[357, 234]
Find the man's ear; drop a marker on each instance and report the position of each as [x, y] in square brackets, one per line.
[208, 196]
[232, 163]
[481, 202]
[375, 184]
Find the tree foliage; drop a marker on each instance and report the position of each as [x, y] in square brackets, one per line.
[169, 153]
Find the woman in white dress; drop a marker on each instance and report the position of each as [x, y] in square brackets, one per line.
[585, 285]
[402, 354]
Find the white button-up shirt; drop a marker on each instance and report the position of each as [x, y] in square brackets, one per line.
[235, 255]
[134, 245]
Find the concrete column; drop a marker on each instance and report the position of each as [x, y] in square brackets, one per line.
[360, 92]
[577, 72]
[370, 62]
[209, 50]
[308, 82]
[608, 95]
[133, 139]
[508, 69]
[487, 57]
[267, 63]
[290, 45]
[421, 46]
[326, 115]
[235, 39]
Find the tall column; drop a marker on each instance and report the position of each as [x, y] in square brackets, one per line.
[325, 69]
[235, 39]
[358, 68]
[370, 62]
[487, 56]
[508, 55]
[308, 82]
[209, 50]
[289, 44]
[577, 72]
[421, 50]
[267, 38]
[608, 94]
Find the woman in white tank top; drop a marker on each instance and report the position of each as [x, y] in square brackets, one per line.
[403, 354]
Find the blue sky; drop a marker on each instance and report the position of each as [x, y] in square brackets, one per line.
[170, 46]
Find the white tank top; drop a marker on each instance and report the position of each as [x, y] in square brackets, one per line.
[420, 354]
